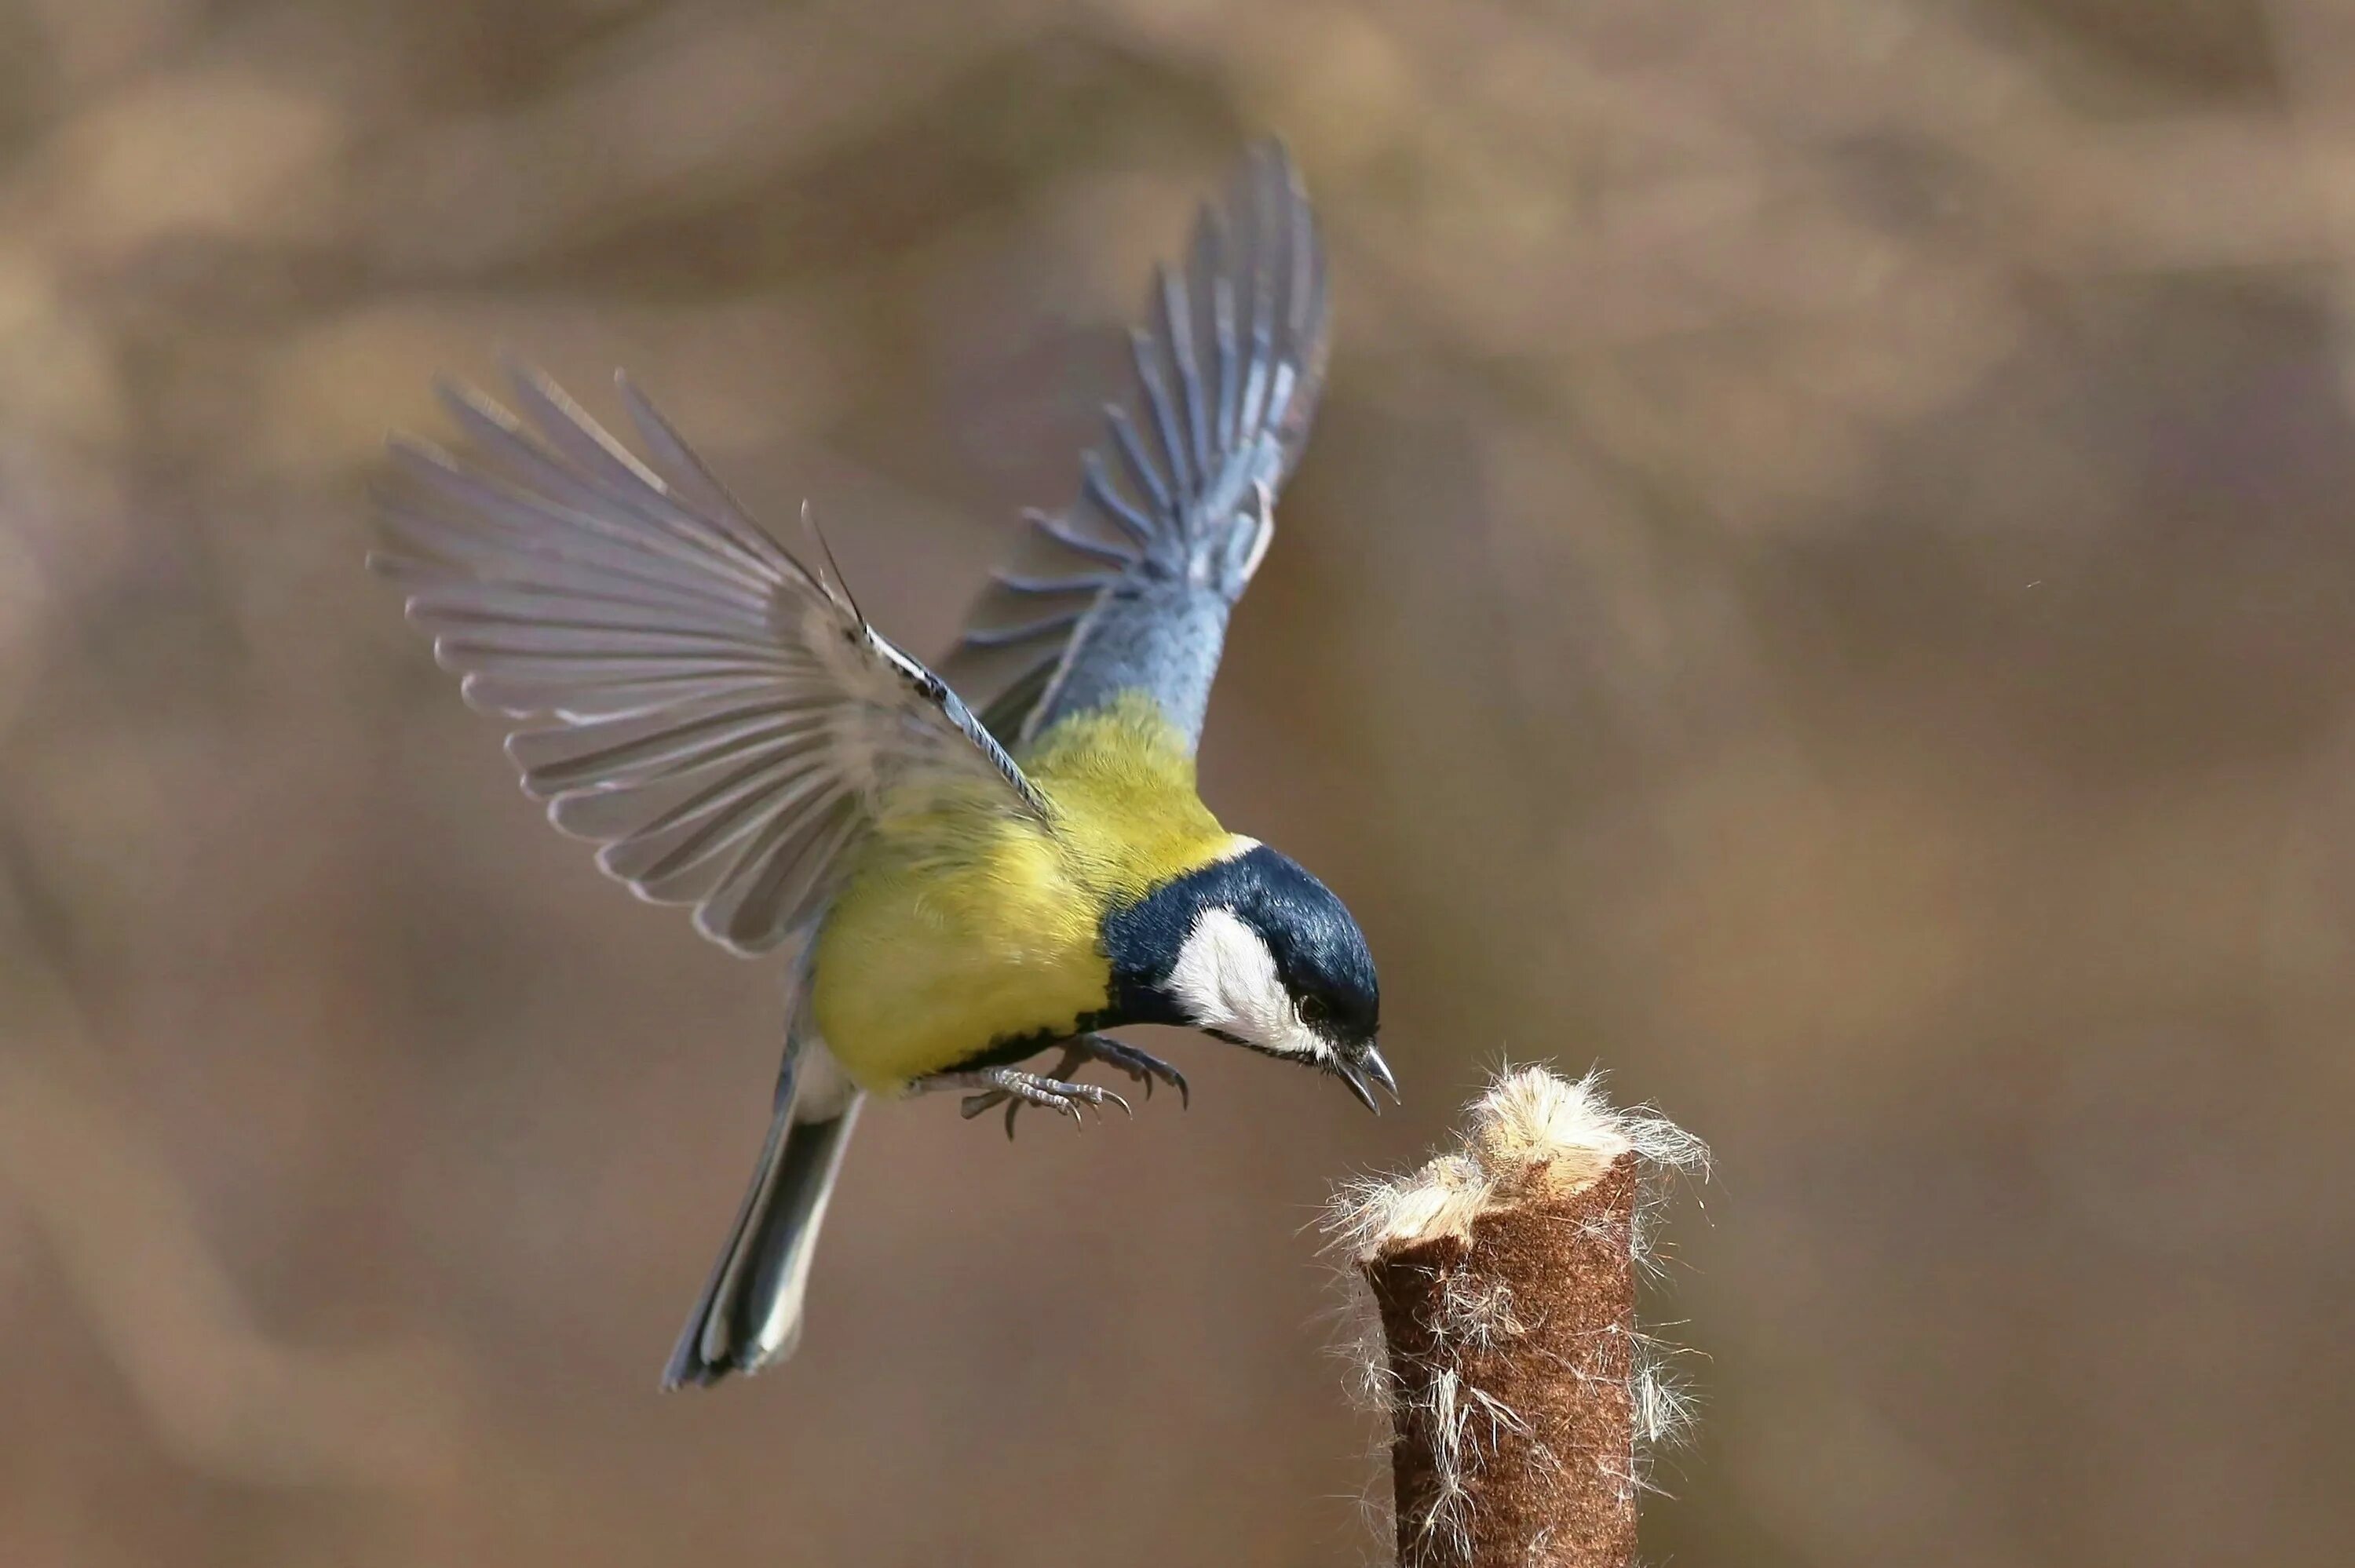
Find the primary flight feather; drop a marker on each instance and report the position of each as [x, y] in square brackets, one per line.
[713, 711]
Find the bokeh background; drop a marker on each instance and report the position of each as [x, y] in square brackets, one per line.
[1824, 583]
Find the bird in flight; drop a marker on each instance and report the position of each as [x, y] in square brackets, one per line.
[965, 890]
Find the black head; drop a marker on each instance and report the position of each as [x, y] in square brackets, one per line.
[1254, 950]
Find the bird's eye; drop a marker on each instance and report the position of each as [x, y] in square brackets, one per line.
[1313, 1010]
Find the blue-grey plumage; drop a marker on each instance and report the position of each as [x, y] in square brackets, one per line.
[1129, 588]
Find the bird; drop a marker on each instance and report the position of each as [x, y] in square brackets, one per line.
[962, 890]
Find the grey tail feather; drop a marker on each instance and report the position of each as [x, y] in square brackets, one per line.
[749, 1313]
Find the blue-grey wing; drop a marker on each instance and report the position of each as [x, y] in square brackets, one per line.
[1129, 587]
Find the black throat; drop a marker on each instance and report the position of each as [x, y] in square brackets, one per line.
[1142, 940]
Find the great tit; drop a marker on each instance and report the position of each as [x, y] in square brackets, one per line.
[965, 893]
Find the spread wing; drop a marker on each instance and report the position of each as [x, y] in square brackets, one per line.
[1129, 587]
[718, 717]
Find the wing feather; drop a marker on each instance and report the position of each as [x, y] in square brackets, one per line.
[1170, 520]
[715, 716]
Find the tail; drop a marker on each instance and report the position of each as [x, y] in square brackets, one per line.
[751, 1311]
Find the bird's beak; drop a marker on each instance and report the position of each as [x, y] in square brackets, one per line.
[1355, 1075]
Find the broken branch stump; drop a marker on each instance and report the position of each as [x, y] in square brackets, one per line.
[1521, 1394]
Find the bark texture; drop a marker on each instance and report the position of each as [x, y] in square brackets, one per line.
[1522, 1397]
[1512, 1351]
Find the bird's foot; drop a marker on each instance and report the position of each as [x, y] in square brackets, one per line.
[1015, 1089]
[1142, 1065]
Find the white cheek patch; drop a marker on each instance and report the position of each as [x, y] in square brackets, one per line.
[1226, 979]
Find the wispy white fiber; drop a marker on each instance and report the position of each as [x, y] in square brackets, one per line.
[1533, 1134]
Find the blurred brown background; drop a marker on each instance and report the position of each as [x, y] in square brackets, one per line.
[1826, 583]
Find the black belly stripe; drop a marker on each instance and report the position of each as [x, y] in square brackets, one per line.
[1007, 1050]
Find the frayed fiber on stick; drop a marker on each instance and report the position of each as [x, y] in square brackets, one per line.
[1523, 1399]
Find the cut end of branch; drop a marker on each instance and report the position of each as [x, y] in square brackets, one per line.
[1502, 1339]
[1533, 1136]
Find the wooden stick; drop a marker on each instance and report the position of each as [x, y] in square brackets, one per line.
[1520, 1392]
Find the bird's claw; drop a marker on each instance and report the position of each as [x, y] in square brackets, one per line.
[1014, 1089]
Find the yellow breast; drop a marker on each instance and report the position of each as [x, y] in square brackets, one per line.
[962, 926]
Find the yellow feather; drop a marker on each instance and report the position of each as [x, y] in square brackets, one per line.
[964, 924]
